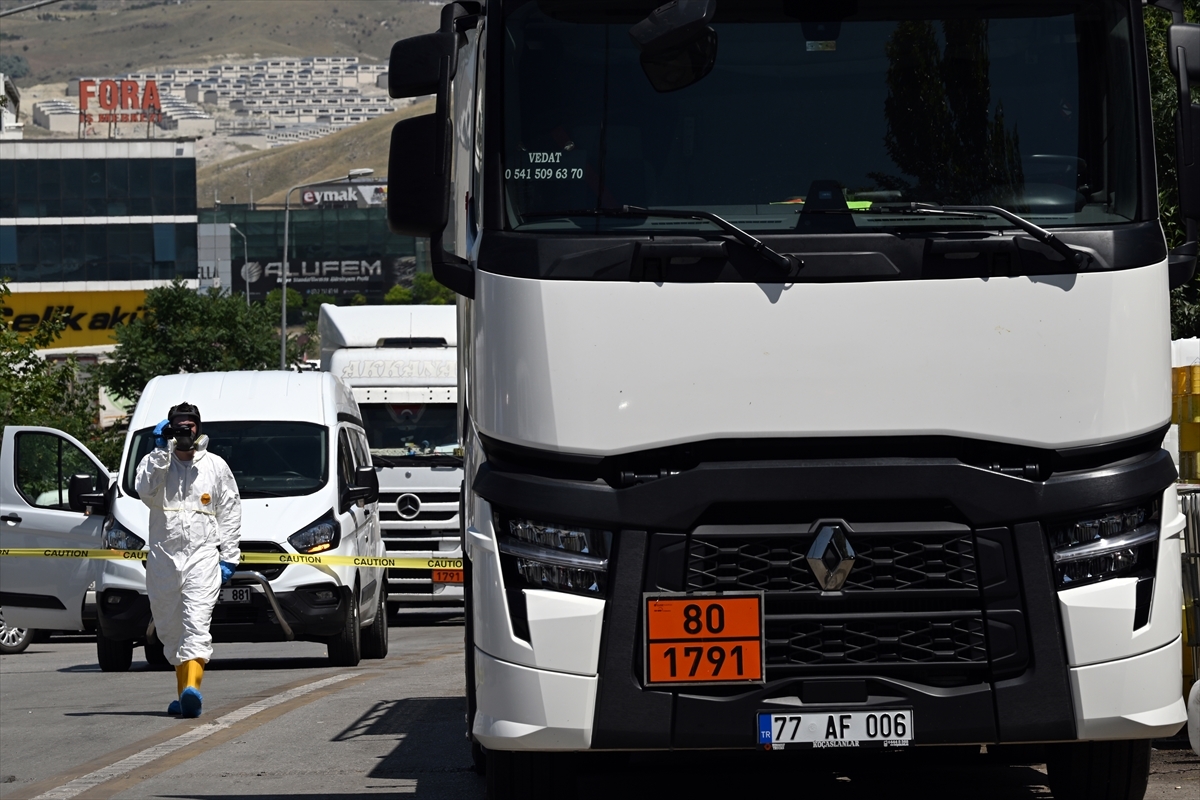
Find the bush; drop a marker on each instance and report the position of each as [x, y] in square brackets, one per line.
[13, 65]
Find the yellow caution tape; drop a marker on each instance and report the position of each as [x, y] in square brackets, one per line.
[250, 558]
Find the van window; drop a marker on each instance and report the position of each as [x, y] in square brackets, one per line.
[45, 464]
[268, 459]
[345, 466]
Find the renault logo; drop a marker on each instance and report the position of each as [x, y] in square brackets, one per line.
[831, 557]
[409, 505]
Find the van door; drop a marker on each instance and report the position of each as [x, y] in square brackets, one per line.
[36, 465]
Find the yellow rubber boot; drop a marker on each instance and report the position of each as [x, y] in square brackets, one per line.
[190, 699]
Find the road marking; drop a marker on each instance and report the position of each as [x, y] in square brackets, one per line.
[150, 754]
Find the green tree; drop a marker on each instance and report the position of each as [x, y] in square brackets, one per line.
[57, 394]
[427, 291]
[13, 65]
[398, 296]
[183, 330]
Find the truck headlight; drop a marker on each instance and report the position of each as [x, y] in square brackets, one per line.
[118, 537]
[565, 558]
[324, 534]
[1105, 546]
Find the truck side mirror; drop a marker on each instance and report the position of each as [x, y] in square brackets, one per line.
[84, 496]
[419, 161]
[1183, 53]
[677, 46]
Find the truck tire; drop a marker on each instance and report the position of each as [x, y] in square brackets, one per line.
[344, 649]
[114, 656]
[13, 640]
[1099, 770]
[530, 776]
[375, 636]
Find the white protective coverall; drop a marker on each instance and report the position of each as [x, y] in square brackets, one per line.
[195, 523]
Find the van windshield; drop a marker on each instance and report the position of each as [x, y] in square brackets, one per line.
[839, 108]
[268, 459]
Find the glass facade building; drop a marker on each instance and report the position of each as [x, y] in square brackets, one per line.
[341, 252]
[117, 212]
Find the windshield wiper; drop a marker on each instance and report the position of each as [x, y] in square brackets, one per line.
[1042, 235]
[382, 461]
[776, 259]
[262, 492]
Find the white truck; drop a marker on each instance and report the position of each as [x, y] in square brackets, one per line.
[401, 365]
[814, 383]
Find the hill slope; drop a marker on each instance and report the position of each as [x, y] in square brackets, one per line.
[107, 37]
[273, 171]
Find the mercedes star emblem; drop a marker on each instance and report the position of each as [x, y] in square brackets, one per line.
[409, 505]
[831, 557]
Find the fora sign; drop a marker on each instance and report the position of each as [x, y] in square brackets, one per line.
[119, 101]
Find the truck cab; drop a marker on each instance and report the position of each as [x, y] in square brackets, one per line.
[401, 364]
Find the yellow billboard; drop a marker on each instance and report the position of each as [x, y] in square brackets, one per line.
[90, 317]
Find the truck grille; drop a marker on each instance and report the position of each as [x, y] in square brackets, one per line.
[910, 606]
[896, 639]
[778, 564]
[434, 507]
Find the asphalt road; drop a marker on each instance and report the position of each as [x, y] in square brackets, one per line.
[279, 723]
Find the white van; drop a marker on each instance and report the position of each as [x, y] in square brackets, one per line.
[296, 446]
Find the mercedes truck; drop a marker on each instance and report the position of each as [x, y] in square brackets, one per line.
[401, 364]
[815, 374]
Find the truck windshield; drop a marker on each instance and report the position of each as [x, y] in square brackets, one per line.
[268, 459]
[1024, 105]
[399, 430]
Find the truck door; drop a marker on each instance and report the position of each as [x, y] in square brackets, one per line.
[36, 465]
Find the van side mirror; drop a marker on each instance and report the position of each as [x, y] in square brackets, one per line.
[366, 486]
[84, 496]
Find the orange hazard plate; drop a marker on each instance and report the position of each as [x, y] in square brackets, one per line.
[447, 576]
[703, 638]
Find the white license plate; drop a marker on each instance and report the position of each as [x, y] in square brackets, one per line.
[236, 594]
[892, 728]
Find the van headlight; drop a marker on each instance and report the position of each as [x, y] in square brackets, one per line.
[1105, 546]
[564, 558]
[118, 537]
[324, 534]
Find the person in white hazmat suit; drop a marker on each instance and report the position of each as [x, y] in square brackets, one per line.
[195, 525]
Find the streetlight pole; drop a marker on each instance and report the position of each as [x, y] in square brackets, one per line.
[287, 211]
[245, 261]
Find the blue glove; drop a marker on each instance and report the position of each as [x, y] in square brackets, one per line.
[227, 568]
[159, 441]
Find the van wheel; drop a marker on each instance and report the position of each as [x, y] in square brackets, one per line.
[375, 637]
[155, 656]
[114, 656]
[13, 640]
[530, 776]
[1099, 770]
[344, 649]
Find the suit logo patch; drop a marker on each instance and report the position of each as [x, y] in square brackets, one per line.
[205, 498]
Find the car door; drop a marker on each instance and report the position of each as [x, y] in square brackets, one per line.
[36, 465]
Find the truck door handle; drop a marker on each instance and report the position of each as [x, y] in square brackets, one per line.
[13, 518]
